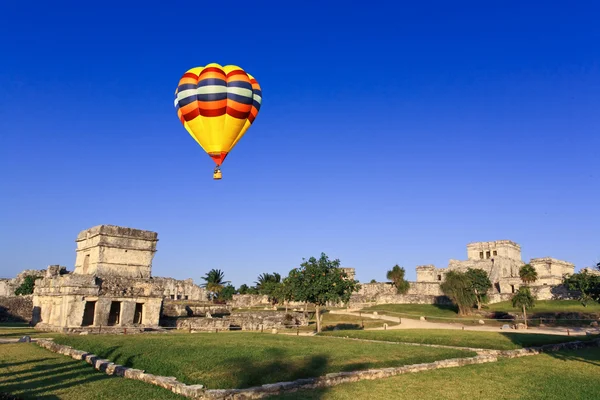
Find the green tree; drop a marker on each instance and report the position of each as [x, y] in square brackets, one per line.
[396, 275]
[373, 281]
[586, 284]
[480, 284]
[525, 300]
[458, 287]
[27, 286]
[214, 283]
[285, 292]
[528, 274]
[243, 289]
[321, 281]
[227, 292]
[267, 278]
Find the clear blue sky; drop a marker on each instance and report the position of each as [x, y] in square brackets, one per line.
[388, 134]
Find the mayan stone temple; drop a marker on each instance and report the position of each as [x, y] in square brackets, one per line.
[111, 287]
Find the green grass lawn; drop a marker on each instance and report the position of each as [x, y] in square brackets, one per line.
[241, 359]
[432, 312]
[28, 371]
[440, 313]
[450, 337]
[565, 375]
[549, 306]
[343, 322]
[7, 332]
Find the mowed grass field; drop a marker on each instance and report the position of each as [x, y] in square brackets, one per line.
[28, 371]
[240, 359]
[566, 375]
[559, 312]
[342, 321]
[549, 306]
[453, 337]
[449, 311]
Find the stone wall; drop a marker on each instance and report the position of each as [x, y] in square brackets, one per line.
[106, 250]
[16, 308]
[249, 300]
[255, 321]
[8, 286]
[174, 289]
[386, 293]
[550, 270]
[179, 308]
[7, 289]
[203, 324]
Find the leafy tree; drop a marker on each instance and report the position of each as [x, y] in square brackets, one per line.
[321, 281]
[273, 291]
[27, 286]
[285, 292]
[373, 281]
[528, 274]
[227, 292]
[480, 284]
[459, 289]
[243, 289]
[396, 275]
[214, 283]
[525, 300]
[586, 284]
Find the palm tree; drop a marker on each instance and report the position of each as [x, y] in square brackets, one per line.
[267, 278]
[528, 274]
[214, 282]
[525, 300]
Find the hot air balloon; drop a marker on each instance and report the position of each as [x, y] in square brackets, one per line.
[216, 105]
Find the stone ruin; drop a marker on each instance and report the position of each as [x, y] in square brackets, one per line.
[501, 260]
[111, 287]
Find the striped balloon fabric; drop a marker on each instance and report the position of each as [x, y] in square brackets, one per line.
[216, 105]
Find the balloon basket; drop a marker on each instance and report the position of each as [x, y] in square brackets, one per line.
[217, 175]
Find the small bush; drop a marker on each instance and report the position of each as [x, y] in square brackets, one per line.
[27, 286]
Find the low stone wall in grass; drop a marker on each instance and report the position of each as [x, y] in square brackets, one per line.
[200, 392]
[203, 324]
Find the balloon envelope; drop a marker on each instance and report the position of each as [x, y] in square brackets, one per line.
[216, 105]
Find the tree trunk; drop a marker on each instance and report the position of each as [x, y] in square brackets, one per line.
[286, 306]
[318, 318]
[525, 316]
[478, 301]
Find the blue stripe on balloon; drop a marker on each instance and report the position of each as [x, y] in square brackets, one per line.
[187, 100]
[186, 86]
[256, 104]
[211, 81]
[239, 99]
[240, 84]
[212, 96]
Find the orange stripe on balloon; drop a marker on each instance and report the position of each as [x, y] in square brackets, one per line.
[187, 81]
[211, 105]
[239, 106]
[189, 107]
